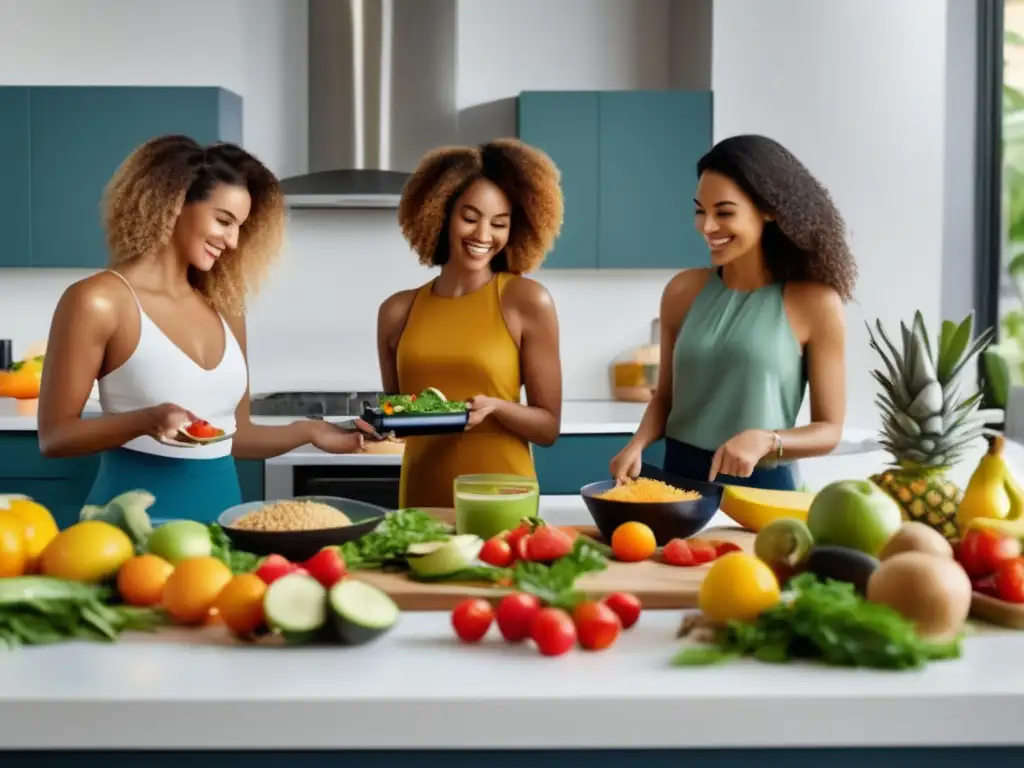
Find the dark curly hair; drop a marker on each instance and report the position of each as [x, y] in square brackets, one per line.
[806, 240]
[526, 175]
[146, 194]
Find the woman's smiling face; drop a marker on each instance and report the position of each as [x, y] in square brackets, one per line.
[479, 226]
[727, 218]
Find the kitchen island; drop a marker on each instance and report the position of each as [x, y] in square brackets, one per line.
[418, 688]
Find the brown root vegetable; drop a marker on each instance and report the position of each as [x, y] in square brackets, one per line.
[932, 592]
[917, 537]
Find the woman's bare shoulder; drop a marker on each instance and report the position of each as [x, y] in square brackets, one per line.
[99, 298]
[527, 295]
[681, 290]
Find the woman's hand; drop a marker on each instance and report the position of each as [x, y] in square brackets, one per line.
[331, 439]
[739, 455]
[480, 407]
[165, 421]
[627, 462]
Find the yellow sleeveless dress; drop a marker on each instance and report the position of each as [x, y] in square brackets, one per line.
[462, 347]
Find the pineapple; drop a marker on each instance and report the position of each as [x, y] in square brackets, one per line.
[930, 414]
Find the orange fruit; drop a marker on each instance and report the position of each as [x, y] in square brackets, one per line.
[240, 603]
[193, 587]
[632, 542]
[141, 580]
[738, 587]
[13, 546]
[40, 527]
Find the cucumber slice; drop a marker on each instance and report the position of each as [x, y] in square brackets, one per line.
[296, 606]
[445, 557]
[360, 612]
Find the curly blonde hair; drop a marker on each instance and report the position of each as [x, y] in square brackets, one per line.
[147, 192]
[527, 176]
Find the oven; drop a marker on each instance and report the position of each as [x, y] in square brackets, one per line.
[372, 478]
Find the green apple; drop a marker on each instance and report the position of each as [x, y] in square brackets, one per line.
[856, 514]
[180, 540]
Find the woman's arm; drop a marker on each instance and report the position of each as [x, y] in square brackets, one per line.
[83, 323]
[540, 421]
[676, 300]
[391, 319]
[253, 441]
[826, 369]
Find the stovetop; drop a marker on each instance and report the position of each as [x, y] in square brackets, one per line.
[312, 404]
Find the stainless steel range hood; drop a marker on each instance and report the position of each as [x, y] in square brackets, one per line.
[381, 93]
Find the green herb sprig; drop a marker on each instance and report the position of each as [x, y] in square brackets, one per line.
[827, 621]
[389, 541]
[237, 560]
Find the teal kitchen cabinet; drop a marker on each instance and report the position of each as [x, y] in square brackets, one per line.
[80, 135]
[565, 125]
[61, 485]
[15, 177]
[650, 144]
[577, 460]
[628, 161]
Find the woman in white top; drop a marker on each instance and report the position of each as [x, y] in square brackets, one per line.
[191, 230]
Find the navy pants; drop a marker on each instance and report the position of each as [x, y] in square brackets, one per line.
[685, 460]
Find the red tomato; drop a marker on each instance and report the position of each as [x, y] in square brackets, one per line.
[546, 544]
[597, 625]
[553, 631]
[688, 553]
[497, 552]
[982, 552]
[515, 616]
[514, 537]
[273, 568]
[327, 566]
[1010, 581]
[521, 549]
[471, 619]
[626, 606]
[725, 547]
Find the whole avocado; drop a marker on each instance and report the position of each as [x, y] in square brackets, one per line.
[856, 514]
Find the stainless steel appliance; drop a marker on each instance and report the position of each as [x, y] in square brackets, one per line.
[372, 478]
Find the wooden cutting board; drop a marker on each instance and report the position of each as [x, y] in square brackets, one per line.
[995, 611]
[656, 585]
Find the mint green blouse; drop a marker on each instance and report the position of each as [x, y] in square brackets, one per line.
[736, 366]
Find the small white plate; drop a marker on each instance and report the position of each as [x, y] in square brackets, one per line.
[189, 444]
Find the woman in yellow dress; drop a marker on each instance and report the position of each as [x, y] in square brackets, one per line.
[478, 331]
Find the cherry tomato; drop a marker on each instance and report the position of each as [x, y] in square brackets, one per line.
[521, 549]
[546, 544]
[471, 619]
[982, 552]
[1010, 580]
[688, 553]
[553, 631]
[725, 547]
[497, 552]
[626, 606]
[515, 616]
[597, 625]
[514, 537]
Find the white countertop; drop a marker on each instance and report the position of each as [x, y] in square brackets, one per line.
[417, 688]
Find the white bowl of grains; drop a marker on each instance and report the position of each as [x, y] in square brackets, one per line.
[298, 528]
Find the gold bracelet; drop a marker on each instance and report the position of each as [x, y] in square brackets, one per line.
[778, 445]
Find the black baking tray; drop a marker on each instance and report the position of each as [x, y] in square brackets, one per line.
[416, 425]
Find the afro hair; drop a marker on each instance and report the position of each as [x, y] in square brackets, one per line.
[526, 175]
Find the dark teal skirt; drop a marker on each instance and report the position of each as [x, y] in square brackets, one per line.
[185, 489]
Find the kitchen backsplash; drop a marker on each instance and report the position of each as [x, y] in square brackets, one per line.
[313, 325]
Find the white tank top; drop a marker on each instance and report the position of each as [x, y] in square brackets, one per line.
[159, 372]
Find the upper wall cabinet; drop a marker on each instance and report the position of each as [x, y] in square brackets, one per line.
[76, 138]
[628, 161]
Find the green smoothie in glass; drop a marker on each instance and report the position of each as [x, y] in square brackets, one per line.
[486, 505]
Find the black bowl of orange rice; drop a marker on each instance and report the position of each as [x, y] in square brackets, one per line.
[672, 507]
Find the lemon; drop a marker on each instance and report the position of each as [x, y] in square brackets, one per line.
[90, 551]
[738, 587]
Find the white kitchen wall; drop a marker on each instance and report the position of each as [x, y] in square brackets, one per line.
[832, 80]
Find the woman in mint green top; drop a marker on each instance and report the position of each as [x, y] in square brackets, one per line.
[743, 340]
